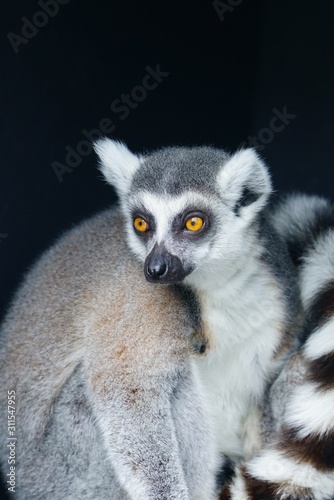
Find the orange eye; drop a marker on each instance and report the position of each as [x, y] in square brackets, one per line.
[140, 225]
[194, 224]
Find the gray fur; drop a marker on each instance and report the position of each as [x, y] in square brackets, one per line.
[237, 266]
[108, 402]
[300, 219]
[173, 170]
[276, 256]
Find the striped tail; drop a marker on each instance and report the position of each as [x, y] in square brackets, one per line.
[298, 462]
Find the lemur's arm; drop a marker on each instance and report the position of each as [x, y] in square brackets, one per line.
[147, 403]
[151, 419]
[139, 435]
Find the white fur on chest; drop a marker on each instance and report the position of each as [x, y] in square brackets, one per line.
[244, 326]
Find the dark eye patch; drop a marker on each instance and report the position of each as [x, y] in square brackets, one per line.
[147, 216]
[178, 224]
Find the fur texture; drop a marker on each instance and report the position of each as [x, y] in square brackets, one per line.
[108, 396]
[129, 390]
[297, 462]
[237, 266]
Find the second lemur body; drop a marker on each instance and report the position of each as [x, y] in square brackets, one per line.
[198, 216]
[297, 460]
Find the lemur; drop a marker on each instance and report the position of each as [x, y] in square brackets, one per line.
[297, 461]
[99, 395]
[136, 388]
[200, 217]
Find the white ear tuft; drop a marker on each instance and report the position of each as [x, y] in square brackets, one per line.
[117, 163]
[243, 173]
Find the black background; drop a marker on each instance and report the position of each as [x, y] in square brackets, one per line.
[225, 78]
[226, 75]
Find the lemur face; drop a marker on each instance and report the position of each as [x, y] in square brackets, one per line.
[172, 235]
[186, 210]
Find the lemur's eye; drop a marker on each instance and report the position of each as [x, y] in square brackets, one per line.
[194, 224]
[140, 225]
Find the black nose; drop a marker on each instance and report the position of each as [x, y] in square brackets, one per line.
[163, 267]
[157, 268]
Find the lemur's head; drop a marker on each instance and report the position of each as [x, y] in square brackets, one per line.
[187, 210]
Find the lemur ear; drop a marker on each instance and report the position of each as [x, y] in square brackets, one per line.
[244, 180]
[117, 163]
